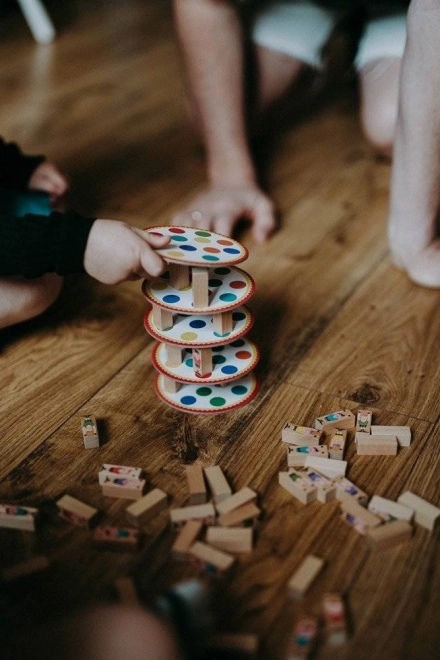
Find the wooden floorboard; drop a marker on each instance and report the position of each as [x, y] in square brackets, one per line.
[337, 325]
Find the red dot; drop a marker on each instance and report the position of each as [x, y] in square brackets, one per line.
[211, 249]
[237, 284]
[176, 230]
[243, 355]
[223, 241]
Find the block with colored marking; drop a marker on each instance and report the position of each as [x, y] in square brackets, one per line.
[358, 517]
[425, 514]
[76, 512]
[298, 486]
[238, 499]
[17, 516]
[244, 516]
[296, 455]
[303, 640]
[336, 444]
[347, 489]
[230, 539]
[187, 535]
[363, 421]
[110, 536]
[388, 535]
[389, 510]
[196, 484]
[109, 470]
[402, 433]
[341, 419]
[210, 559]
[124, 487]
[202, 362]
[203, 512]
[293, 434]
[90, 432]
[329, 467]
[304, 575]
[376, 445]
[220, 488]
[335, 619]
[149, 505]
[326, 488]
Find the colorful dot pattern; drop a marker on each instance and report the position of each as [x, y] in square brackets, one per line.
[199, 247]
[230, 362]
[210, 399]
[198, 330]
[229, 288]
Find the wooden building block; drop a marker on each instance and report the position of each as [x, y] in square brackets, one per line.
[110, 536]
[325, 487]
[76, 512]
[25, 568]
[238, 499]
[123, 487]
[220, 488]
[363, 421]
[329, 467]
[210, 559]
[126, 592]
[341, 419]
[336, 444]
[162, 318]
[173, 355]
[200, 286]
[223, 323]
[347, 489]
[376, 445]
[298, 486]
[179, 276]
[89, 430]
[202, 362]
[196, 484]
[230, 539]
[304, 575]
[389, 510]
[303, 640]
[203, 512]
[145, 507]
[300, 435]
[335, 619]
[390, 534]
[244, 516]
[425, 514]
[17, 516]
[296, 455]
[358, 517]
[109, 470]
[242, 643]
[171, 386]
[402, 433]
[187, 535]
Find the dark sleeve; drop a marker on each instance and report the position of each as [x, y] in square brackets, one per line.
[15, 168]
[38, 244]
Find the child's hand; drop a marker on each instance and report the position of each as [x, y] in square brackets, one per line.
[48, 178]
[117, 252]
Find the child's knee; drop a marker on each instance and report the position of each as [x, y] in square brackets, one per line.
[23, 299]
[43, 293]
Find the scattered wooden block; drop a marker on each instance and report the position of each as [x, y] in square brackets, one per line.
[335, 619]
[179, 276]
[425, 514]
[145, 507]
[329, 467]
[109, 470]
[296, 456]
[76, 512]
[376, 445]
[245, 515]
[123, 487]
[238, 499]
[337, 443]
[220, 488]
[200, 286]
[325, 487]
[196, 484]
[210, 559]
[303, 638]
[358, 517]
[223, 323]
[202, 362]
[116, 537]
[304, 575]
[341, 419]
[162, 318]
[390, 534]
[389, 510]
[203, 512]
[300, 435]
[346, 488]
[17, 516]
[173, 355]
[90, 432]
[169, 385]
[402, 433]
[185, 539]
[230, 539]
[25, 568]
[243, 643]
[126, 591]
[363, 421]
[298, 486]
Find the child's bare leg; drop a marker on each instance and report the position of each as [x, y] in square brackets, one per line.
[21, 299]
[415, 190]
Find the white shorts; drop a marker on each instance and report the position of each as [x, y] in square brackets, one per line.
[300, 29]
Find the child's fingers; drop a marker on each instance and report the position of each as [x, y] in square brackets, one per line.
[152, 264]
[156, 239]
[265, 222]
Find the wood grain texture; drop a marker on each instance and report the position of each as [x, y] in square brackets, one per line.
[337, 325]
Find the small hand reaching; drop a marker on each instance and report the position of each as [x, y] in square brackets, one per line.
[47, 178]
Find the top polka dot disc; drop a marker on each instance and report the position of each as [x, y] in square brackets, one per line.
[199, 247]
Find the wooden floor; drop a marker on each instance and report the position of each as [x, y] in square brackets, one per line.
[337, 325]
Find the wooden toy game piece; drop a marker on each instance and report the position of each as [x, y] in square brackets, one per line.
[124, 487]
[390, 534]
[201, 345]
[335, 619]
[402, 433]
[300, 435]
[185, 539]
[109, 470]
[298, 486]
[116, 537]
[329, 467]
[358, 517]
[303, 639]
[245, 515]
[336, 444]
[376, 445]
[341, 419]
[238, 499]
[75, 511]
[304, 575]
[202, 512]
[218, 484]
[363, 421]
[326, 488]
[90, 432]
[426, 514]
[296, 456]
[196, 484]
[16, 516]
[230, 539]
[210, 559]
[347, 489]
[149, 505]
[389, 510]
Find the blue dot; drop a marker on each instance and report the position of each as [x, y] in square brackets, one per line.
[188, 248]
[229, 369]
[189, 363]
[188, 400]
[171, 299]
[228, 297]
[231, 250]
[197, 324]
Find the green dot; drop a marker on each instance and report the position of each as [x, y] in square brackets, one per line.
[239, 389]
[210, 257]
[203, 391]
[202, 233]
[217, 401]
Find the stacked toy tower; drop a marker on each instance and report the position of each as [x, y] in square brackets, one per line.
[203, 360]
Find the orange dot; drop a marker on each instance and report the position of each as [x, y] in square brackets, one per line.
[211, 249]
[243, 355]
[223, 241]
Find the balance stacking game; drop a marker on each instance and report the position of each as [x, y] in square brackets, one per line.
[204, 362]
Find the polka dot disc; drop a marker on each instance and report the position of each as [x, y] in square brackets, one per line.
[199, 247]
[229, 362]
[204, 399]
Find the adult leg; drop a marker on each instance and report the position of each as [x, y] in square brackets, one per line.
[22, 299]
